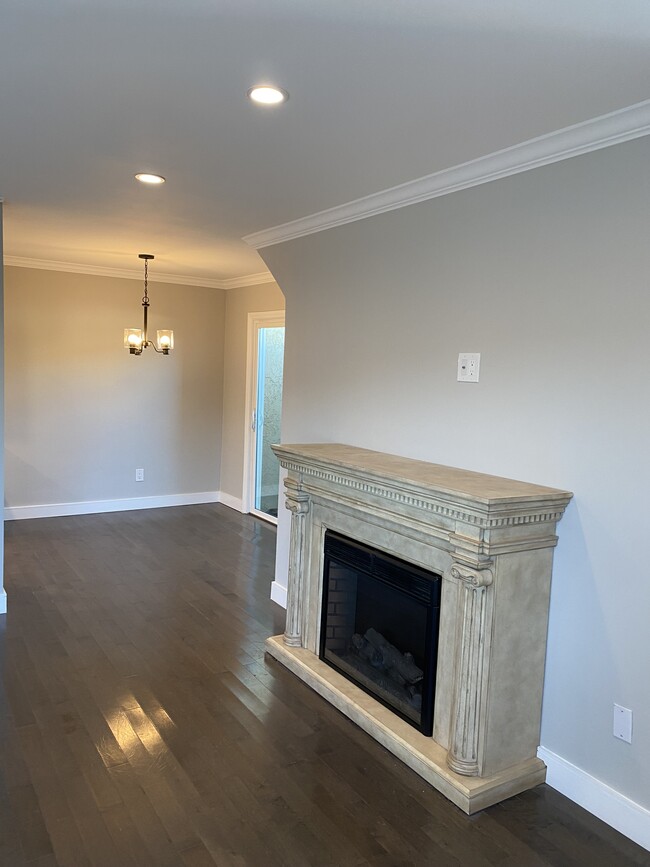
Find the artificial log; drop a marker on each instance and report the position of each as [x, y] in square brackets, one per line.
[401, 663]
[365, 650]
[381, 682]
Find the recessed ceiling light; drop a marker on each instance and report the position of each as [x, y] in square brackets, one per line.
[147, 178]
[267, 94]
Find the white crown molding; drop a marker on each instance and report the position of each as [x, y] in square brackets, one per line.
[581, 138]
[100, 271]
[248, 280]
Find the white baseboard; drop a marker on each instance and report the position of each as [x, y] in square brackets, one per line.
[598, 798]
[3, 602]
[279, 594]
[231, 502]
[90, 507]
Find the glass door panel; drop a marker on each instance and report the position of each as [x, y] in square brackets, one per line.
[268, 414]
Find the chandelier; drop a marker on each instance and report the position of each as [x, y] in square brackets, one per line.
[136, 339]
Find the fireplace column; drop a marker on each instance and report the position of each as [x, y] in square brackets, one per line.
[472, 655]
[297, 501]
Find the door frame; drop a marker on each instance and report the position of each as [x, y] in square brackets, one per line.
[269, 319]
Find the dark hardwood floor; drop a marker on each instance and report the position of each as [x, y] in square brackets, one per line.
[141, 723]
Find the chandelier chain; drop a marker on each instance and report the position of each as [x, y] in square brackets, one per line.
[145, 299]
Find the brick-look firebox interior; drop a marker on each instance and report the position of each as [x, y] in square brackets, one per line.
[379, 626]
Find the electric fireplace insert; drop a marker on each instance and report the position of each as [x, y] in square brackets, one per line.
[379, 627]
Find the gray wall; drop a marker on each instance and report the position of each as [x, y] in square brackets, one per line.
[546, 275]
[82, 413]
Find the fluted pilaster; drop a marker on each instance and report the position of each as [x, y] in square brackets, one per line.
[472, 655]
[297, 501]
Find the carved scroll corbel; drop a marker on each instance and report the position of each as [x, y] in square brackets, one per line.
[474, 613]
[298, 502]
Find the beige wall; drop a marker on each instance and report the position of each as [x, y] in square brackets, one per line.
[239, 303]
[82, 414]
[546, 275]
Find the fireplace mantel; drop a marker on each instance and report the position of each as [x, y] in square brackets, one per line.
[492, 540]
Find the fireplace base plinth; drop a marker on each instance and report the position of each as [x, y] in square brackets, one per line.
[422, 754]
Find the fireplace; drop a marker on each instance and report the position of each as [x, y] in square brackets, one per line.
[379, 626]
[490, 541]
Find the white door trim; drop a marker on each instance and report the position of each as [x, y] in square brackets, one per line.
[269, 319]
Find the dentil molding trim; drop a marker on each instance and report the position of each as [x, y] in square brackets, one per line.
[473, 513]
[127, 274]
[571, 141]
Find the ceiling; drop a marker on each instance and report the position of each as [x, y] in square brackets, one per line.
[92, 91]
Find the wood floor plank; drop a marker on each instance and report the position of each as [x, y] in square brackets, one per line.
[144, 818]
[58, 816]
[142, 724]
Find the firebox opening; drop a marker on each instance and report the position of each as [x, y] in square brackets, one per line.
[379, 626]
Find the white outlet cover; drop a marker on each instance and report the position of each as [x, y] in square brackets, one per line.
[469, 364]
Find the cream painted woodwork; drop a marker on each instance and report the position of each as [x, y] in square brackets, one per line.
[492, 540]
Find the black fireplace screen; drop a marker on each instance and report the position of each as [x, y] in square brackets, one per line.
[379, 626]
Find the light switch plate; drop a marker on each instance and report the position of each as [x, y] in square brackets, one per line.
[623, 723]
[469, 364]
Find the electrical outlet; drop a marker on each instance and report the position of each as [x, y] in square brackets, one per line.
[468, 366]
[139, 475]
[623, 723]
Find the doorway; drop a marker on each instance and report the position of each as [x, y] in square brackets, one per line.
[264, 413]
